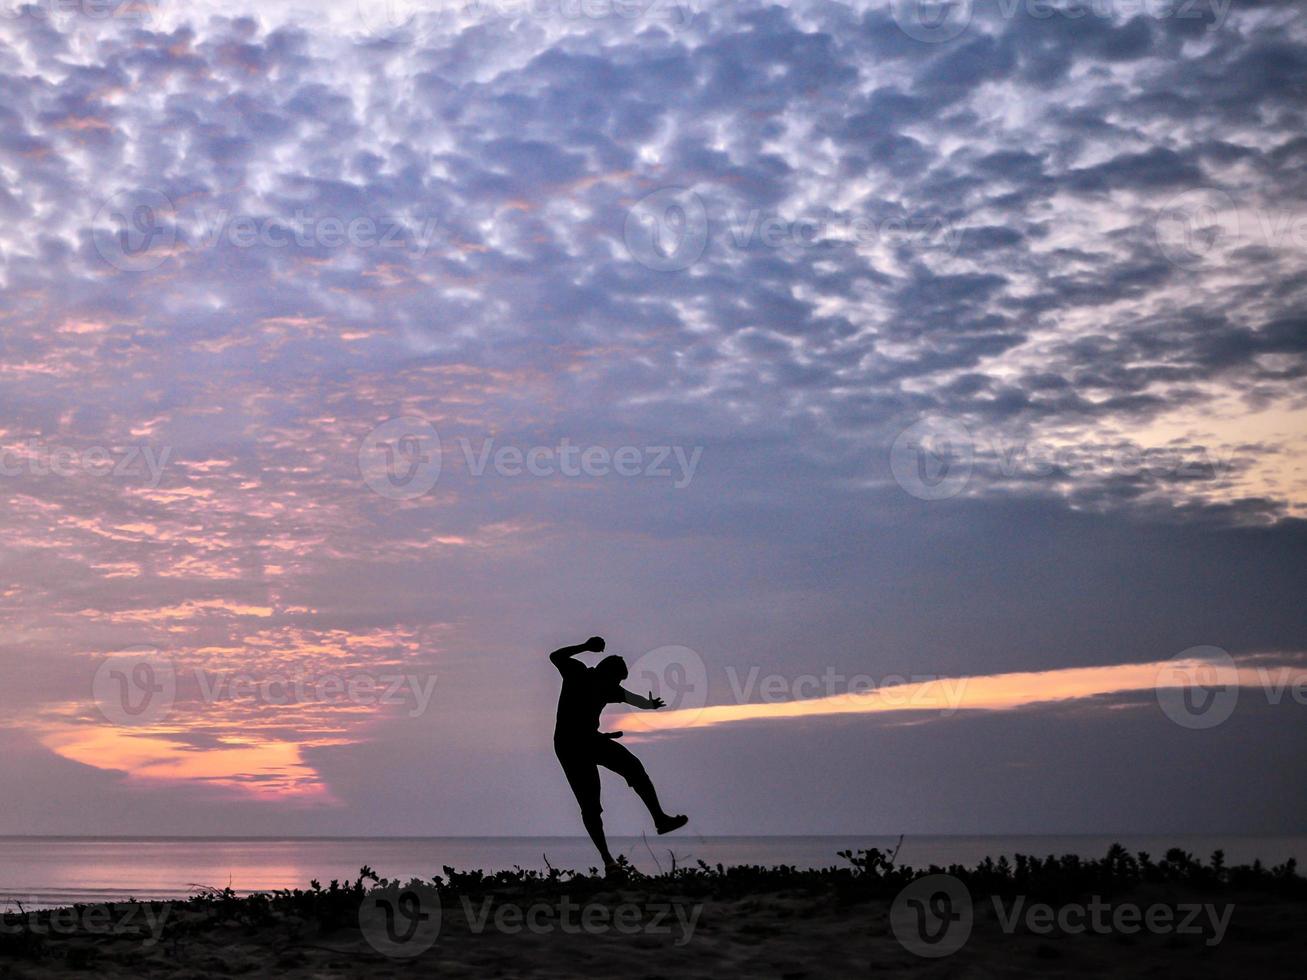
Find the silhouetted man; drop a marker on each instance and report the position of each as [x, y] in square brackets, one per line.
[582, 748]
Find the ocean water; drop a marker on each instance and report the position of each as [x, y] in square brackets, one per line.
[42, 872]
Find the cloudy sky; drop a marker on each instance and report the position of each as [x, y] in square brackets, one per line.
[913, 394]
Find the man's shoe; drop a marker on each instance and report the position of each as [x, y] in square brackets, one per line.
[671, 823]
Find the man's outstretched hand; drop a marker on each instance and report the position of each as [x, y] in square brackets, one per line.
[655, 703]
[595, 643]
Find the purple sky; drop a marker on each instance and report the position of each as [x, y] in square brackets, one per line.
[351, 361]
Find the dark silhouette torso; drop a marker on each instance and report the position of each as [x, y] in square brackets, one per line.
[585, 694]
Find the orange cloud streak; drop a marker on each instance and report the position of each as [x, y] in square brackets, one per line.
[260, 768]
[946, 695]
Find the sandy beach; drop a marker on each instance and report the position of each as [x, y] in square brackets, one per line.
[706, 923]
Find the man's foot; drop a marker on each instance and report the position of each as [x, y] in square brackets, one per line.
[667, 824]
[614, 869]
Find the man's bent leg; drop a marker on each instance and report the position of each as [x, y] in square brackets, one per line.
[622, 761]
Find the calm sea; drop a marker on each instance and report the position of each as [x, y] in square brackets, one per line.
[51, 871]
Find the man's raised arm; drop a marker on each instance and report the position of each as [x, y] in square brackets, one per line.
[593, 645]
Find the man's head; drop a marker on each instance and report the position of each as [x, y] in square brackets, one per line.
[612, 669]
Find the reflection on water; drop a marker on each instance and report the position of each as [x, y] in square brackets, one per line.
[61, 870]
